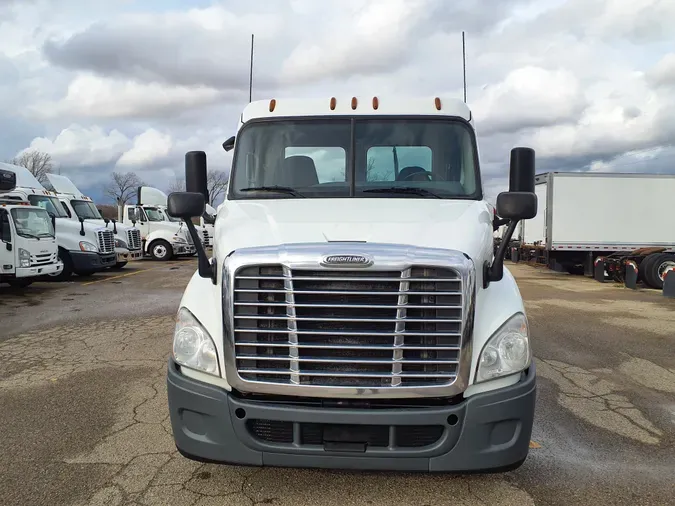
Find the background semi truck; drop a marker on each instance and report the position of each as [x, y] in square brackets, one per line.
[84, 247]
[353, 314]
[28, 248]
[162, 238]
[585, 215]
[127, 239]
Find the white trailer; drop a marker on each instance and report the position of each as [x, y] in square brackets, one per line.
[584, 215]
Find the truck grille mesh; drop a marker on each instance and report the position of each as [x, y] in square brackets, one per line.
[134, 239]
[348, 328]
[106, 241]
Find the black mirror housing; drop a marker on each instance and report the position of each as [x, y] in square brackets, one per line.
[517, 205]
[186, 205]
[228, 145]
[522, 170]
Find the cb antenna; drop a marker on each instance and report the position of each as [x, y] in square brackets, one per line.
[464, 63]
[250, 73]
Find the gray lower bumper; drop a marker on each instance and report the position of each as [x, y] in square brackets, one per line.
[485, 433]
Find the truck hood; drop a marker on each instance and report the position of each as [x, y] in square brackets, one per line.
[462, 225]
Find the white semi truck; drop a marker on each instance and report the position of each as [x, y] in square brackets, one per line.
[586, 215]
[77, 205]
[84, 247]
[353, 314]
[162, 238]
[28, 248]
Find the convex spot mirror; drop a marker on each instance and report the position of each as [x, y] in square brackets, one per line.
[517, 205]
[186, 205]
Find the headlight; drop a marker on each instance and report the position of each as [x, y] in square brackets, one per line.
[179, 239]
[507, 351]
[193, 346]
[24, 257]
[119, 243]
[87, 246]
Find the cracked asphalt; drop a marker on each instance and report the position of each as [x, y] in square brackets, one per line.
[84, 416]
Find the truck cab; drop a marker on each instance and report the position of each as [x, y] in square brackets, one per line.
[162, 238]
[84, 247]
[28, 246]
[354, 313]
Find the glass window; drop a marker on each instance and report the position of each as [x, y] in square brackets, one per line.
[49, 204]
[32, 222]
[66, 209]
[154, 214]
[391, 157]
[85, 210]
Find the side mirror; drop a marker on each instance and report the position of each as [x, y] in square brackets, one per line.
[195, 174]
[517, 205]
[188, 205]
[228, 145]
[52, 217]
[82, 226]
[185, 205]
[521, 171]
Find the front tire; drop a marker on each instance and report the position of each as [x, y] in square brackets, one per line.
[119, 265]
[67, 271]
[161, 250]
[20, 282]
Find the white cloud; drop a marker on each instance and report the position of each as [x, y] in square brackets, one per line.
[148, 147]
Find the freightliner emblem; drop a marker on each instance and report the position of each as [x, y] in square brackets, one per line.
[347, 261]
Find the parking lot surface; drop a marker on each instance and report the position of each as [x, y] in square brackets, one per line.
[84, 415]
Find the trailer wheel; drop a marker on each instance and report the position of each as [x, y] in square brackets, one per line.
[644, 267]
[656, 268]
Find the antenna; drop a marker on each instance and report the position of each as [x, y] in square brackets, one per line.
[464, 63]
[250, 75]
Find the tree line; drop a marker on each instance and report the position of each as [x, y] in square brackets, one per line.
[121, 186]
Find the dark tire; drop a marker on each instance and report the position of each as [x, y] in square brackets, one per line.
[20, 282]
[118, 265]
[644, 267]
[161, 250]
[67, 271]
[657, 268]
[84, 274]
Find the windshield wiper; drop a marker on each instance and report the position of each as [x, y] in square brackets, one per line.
[276, 189]
[410, 190]
[28, 234]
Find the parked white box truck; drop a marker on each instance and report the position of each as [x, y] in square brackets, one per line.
[28, 248]
[583, 215]
[353, 314]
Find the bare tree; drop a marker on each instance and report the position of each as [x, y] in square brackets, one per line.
[37, 162]
[178, 185]
[216, 183]
[121, 188]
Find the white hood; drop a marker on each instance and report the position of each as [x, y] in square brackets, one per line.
[453, 224]
[149, 196]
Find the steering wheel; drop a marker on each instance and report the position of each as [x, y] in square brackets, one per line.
[430, 176]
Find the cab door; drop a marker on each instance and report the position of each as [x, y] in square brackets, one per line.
[136, 213]
[7, 253]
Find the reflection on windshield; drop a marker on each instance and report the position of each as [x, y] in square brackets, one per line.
[85, 210]
[49, 204]
[373, 157]
[32, 223]
[154, 214]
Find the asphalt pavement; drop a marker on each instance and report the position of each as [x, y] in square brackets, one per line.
[84, 419]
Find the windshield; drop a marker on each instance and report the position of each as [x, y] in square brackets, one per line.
[378, 157]
[85, 210]
[170, 218]
[32, 222]
[154, 214]
[49, 204]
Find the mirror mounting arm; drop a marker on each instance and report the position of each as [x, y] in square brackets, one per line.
[495, 272]
[206, 269]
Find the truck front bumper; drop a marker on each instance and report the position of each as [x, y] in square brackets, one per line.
[488, 432]
[183, 249]
[86, 261]
[125, 255]
[40, 270]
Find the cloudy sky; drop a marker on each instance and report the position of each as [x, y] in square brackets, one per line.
[130, 85]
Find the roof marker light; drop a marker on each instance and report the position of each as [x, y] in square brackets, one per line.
[273, 104]
[354, 103]
[437, 102]
[376, 103]
[332, 103]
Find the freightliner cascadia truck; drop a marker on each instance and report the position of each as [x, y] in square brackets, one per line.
[354, 313]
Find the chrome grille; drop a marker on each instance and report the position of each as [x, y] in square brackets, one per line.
[43, 259]
[348, 328]
[106, 241]
[134, 239]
